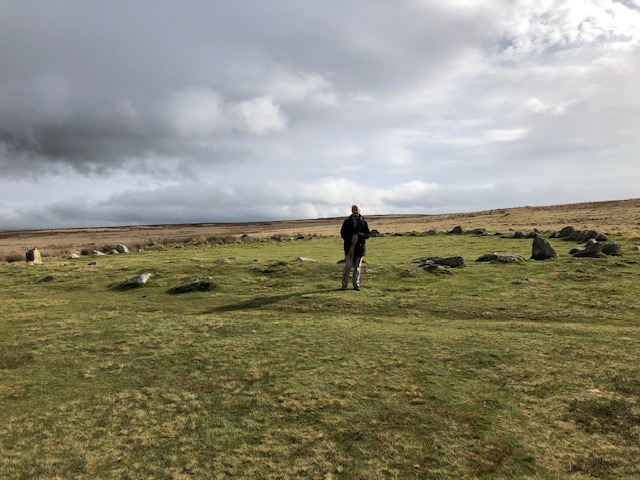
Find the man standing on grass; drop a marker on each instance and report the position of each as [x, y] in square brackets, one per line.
[354, 232]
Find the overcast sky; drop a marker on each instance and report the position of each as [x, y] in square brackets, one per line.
[150, 111]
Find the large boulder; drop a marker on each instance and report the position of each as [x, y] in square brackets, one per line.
[122, 248]
[612, 248]
[542, 250]
[584, 235]
[570, 234]
[565, 232]
[531, 234]
[456, 231]
[452, 262]
[33, 256]
[592, 250]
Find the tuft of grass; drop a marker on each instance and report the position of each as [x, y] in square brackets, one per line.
[14, 257]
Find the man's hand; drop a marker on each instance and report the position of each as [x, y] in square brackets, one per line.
[354, 239]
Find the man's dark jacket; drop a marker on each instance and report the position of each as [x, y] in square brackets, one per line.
[348, 230]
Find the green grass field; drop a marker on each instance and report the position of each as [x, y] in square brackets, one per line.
[277, 373]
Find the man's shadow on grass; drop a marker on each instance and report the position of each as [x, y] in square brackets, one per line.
[264, 300]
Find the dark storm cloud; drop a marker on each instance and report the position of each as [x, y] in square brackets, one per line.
[152, 111]
[84, 83]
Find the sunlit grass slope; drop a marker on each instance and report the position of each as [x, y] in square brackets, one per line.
[525, 370]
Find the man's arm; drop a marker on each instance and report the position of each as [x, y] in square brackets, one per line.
[365, 230]
[343, 231]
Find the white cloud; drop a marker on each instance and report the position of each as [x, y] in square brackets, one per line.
[260, 115]
[202, 112]
[195, 111]
[534, 27]
[287, 86]
[536, 105]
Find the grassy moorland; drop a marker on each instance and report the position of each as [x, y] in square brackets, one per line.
[525, 370]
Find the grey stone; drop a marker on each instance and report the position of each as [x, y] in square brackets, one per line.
[456, 231]
[122, 248]
[141, 279]
[565, 232]
[542, 250]
[612, 248]
[438, 269]
[194, 284]
[594, 250]
[453, 262]
[584, 235]
[500, 257]
[34, 256]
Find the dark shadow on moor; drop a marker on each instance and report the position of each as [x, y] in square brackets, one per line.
[264, 300]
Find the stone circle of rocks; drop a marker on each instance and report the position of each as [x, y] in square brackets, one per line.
[495, 257]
